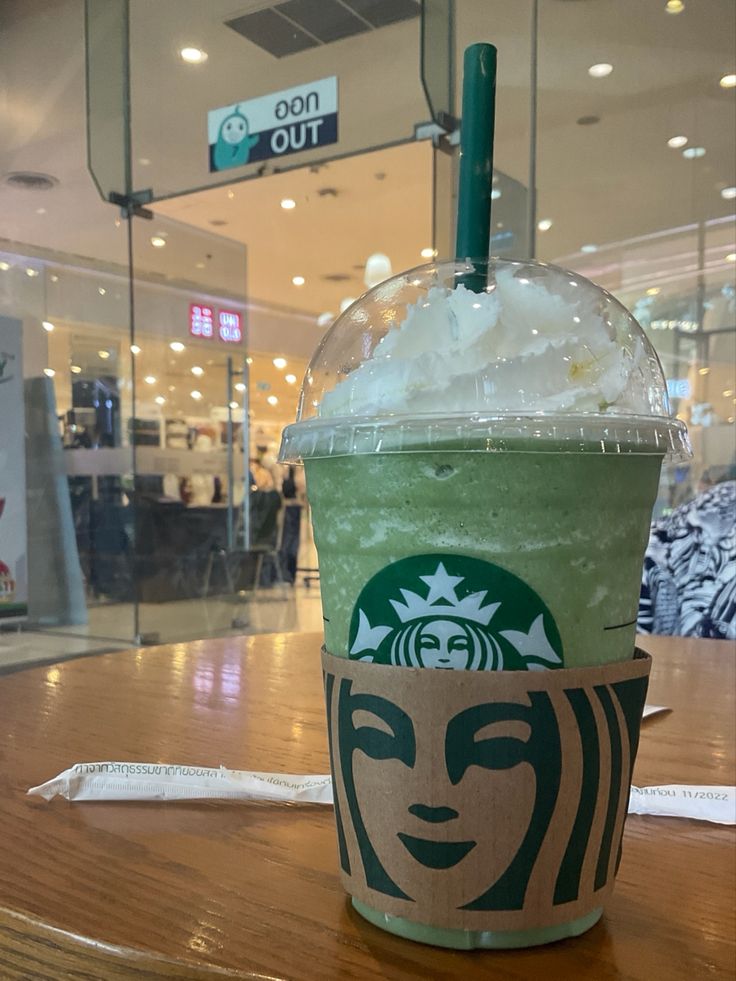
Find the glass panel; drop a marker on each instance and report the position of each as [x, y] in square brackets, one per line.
[438, 60]
[63, 279]
[367, 59]
[77, 557]
[194, 575]
[107, 88]
[636, 164]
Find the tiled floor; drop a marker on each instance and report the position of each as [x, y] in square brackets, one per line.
[111, 627]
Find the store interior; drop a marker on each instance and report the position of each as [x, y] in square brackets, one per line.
[284, 250]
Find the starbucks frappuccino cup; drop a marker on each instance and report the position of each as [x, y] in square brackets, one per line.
[481, 467]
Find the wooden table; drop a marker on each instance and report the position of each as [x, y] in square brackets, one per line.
[199, 890]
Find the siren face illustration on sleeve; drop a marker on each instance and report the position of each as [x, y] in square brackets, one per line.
[453, 612]
[548, 766]
[498, 752]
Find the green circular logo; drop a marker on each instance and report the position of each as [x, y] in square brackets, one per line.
[453, 612]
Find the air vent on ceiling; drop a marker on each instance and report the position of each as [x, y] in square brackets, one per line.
[26, 180]
[296, 25]
[336, 277]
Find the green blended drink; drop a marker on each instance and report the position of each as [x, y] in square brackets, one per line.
[481, 468]
[571, 527]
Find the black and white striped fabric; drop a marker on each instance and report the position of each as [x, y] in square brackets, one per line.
[689, 579]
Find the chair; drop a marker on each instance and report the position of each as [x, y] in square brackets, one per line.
[244, 568]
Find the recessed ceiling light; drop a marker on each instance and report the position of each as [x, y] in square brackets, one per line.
[49, 372]
[298, 280]
[692, 152]
[199, 265]
[249, 360]
[196, 395]
[728, 392]
[495, 194]
[288, 204]
[346, 302]
[600, 70]
[150, 379]
[196, 370]
[134, 349]
[239, 387]
[47, 325]
[75, 369]
[703, 371]
[728, 193]
[31, 272]
[160, 400]
[40, 211]
[144, 161]
[279, 363]
[290, 379]
[272, 400]
[676, 142]
[731, 257]
[544, 225]
[101, 290]
[674, 6]
[727, 81]
[103, 354]
[589, 248]
[653, 291]
[324, 319]
[54, 279]
[427, 253]
[4, 266]
[192, 55]
[177, 346]
[234, 405]
[158, 241]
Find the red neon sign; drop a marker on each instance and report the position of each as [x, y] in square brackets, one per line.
[201, 320]
[229, 326]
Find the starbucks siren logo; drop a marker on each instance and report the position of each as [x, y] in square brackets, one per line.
[461, 613]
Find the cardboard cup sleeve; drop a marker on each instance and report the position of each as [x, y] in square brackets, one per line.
[482, 800]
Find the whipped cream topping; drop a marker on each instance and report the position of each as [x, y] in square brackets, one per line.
[529, 343]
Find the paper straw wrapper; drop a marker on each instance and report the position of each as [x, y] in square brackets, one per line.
[714, 804]
[161, 781]
[109, 781]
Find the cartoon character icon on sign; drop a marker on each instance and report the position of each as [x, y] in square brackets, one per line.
[234, 141]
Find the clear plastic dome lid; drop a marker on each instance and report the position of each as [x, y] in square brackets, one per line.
[485, 356]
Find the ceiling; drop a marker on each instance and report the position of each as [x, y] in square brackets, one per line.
[345, 211]
[612, 180]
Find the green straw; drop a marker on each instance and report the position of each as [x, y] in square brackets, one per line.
[476, 158]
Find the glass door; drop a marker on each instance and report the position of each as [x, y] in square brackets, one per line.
[194, 571]
[198, 494]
